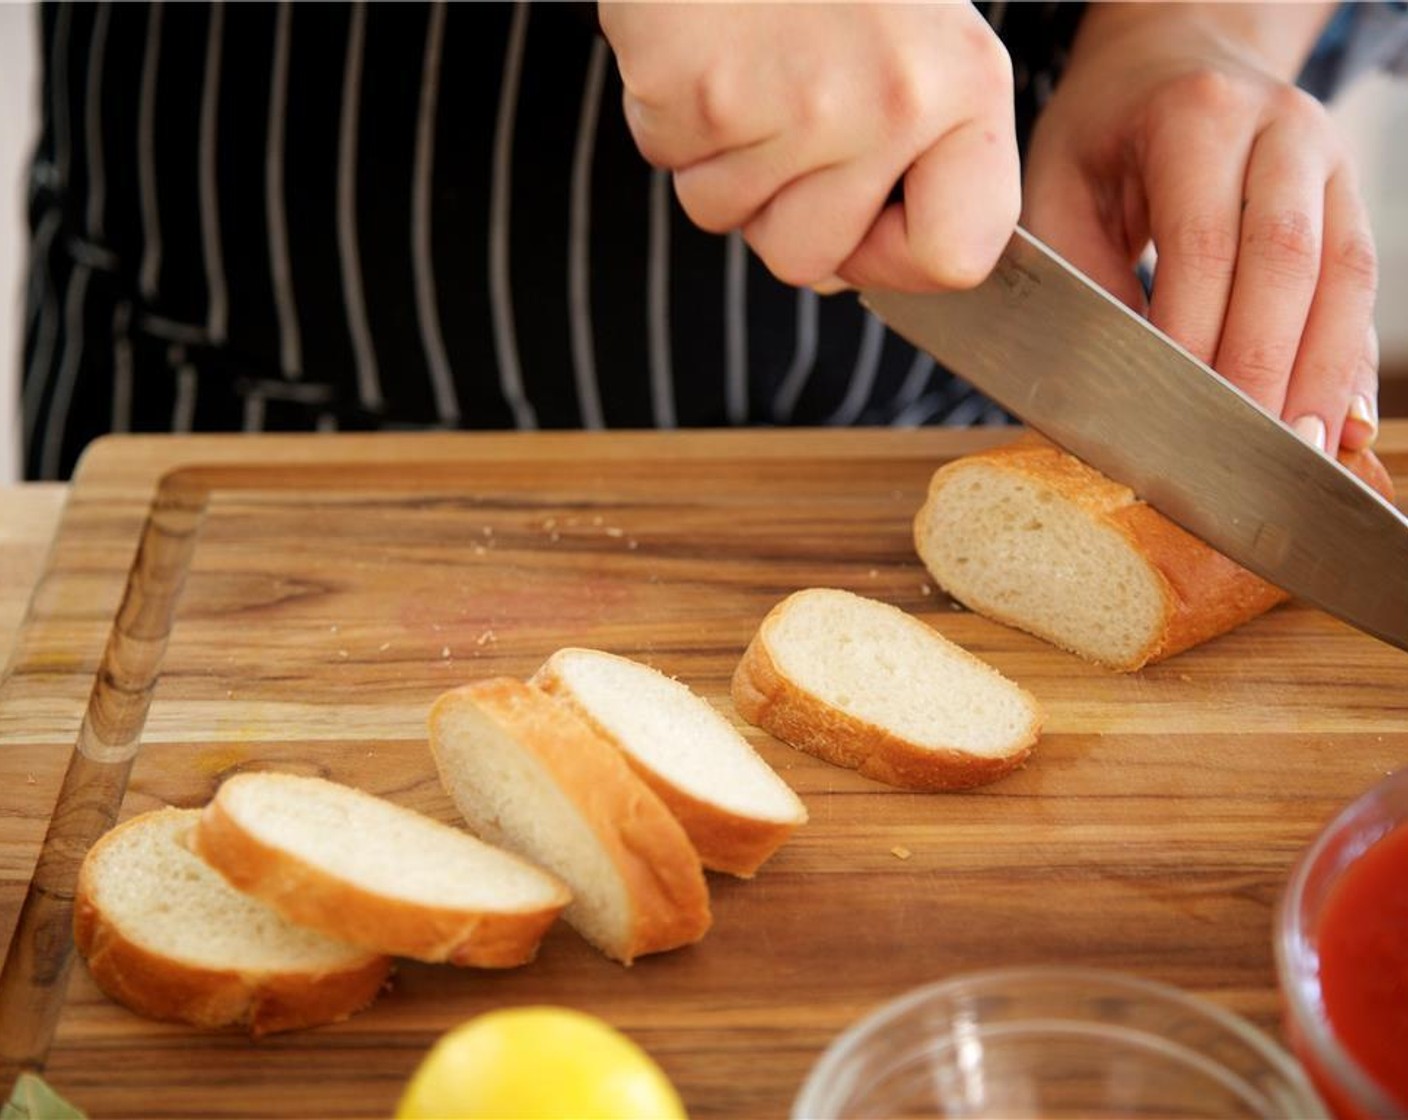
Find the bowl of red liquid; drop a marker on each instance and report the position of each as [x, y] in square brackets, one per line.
[1342, 956]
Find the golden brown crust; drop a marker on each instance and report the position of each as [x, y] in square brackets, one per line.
[726, 841]
[172, 990]
[768, 698]
[662, 872]
[310, 896]
[1205, 593]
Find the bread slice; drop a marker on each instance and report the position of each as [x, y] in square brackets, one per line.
[735, 808]
[167, 937]
[530, 774]
[358, 867]
[864, 685]
[1031, 536]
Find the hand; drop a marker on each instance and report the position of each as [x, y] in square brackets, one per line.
[793, 123]
[1173, 124]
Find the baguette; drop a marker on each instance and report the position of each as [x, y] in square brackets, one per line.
[733, 806]
[866, 686]
[168, 938]
[360, 868]
[1031, 536]
[531, 775]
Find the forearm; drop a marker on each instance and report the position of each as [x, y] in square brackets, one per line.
[1276, 37]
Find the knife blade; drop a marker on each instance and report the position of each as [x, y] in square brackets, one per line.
[1070, 360]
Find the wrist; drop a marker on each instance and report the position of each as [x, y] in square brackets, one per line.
[1275, 38]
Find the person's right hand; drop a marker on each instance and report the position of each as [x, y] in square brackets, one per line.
[793, 123]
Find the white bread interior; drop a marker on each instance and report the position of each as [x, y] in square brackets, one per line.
[362, 868]
[531, 775]
[169, 938]
[1032, 537]
[864, 685]
[735, 808]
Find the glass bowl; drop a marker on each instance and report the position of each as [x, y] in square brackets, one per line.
[1343, 1080]
[1053, 1042]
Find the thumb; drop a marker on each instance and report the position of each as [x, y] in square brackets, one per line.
[1086, 226]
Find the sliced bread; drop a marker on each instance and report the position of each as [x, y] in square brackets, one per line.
[169, 938]
[735, 808]
[530, 774]
[356, 866]
[864, 685]
[1031, 536]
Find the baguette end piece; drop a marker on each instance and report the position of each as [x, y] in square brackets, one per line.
[165, 936]
[1032, 537]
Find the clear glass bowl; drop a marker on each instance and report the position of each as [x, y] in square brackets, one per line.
[1053, 1042]
[1343, 1082]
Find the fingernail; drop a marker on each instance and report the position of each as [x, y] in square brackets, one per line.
[1364, 412]
[1311, 429]
[830, 286]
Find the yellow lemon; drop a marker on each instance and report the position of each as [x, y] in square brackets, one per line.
[538, 1063]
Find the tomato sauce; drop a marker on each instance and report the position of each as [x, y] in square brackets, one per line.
[1363, 949]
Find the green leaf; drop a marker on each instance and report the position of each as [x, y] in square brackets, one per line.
[32, 1099]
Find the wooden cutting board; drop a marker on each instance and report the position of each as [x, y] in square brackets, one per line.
[220, 603]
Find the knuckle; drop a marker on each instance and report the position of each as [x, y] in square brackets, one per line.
[817, 103]
[789, 264]
[1209, 244]
[717, 104]
[1260, 367]
[959, 262]
[1358, 260]
[1295, 104]
[1287, 243]
[704, 211]
[1207, 92]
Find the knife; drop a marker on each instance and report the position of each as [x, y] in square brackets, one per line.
[1076, 364]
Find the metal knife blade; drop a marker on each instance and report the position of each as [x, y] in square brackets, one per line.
[1073, 362]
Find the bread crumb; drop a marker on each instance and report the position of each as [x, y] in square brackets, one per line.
[900, 852]
[925, 589]
[333, 628]
[614, 531]
[596, 520]
[444, 652]
[488, 530]
[479, 550]
[342, 653]
[383, 647]
[873, 573]
[1185, 678]
[486, 637]
[633, 544]
[549, 523]
[29, 779]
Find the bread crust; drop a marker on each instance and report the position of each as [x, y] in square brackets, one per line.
[1205, 594]
[173, 990]
[765, 696]
[310, 896]
[658, 864]
[726, 841]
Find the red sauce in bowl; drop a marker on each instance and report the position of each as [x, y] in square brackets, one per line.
[1362, 940]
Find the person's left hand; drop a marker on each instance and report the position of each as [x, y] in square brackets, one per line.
[1172, 126]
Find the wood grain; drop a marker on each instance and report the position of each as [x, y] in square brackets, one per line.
[298, 602]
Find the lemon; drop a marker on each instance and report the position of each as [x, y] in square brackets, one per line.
[538, 1063]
